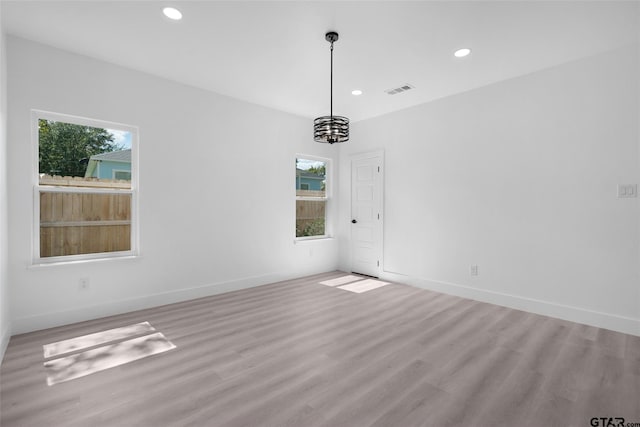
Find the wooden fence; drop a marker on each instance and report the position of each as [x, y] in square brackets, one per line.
[310, 214]
[78, 181]
[310, 193]
[73, 223]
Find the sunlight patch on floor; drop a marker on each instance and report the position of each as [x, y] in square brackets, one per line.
[338, 281]
[353, 283]
[91, 340]
[363, 286]
[81, 364]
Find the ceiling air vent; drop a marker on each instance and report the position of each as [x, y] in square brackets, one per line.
[405, 87]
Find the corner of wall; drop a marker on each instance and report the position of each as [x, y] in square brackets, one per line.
[5, 325]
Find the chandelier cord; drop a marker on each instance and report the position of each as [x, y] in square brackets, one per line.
[331, 103]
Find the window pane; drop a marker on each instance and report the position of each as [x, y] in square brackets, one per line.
[84, 223]
[311, 178]
[82, 154]
[90, 165]
[310, 218]
[122, 175]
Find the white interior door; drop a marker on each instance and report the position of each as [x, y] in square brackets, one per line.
[366, 214]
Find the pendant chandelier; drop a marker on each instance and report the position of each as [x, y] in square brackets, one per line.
[331, 129]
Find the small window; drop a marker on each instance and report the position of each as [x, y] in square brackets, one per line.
[84, 193]
[122, 175]
[311, 197]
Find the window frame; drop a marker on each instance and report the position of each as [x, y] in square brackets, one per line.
[328, 225]
[115, 171]
[134, 250]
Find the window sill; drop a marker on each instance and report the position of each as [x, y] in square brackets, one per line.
[310, 239]
[40, 264]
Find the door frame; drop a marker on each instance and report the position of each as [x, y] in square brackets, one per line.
[363, 156]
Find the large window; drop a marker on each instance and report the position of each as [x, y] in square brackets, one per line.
[311, 197]
[85, 188]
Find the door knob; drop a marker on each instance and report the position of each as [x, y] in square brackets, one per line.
[353, 221]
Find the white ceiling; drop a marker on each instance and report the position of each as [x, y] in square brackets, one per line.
[274, 53]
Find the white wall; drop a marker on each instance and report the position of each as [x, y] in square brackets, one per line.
[217, 209]
[520, 178]
[5, 323]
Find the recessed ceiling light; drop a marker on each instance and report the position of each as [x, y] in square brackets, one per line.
[461, 53]
[172, 13]
[356, 92]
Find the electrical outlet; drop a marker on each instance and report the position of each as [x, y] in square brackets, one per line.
[473, 269]
[627, 190]
[83, 284]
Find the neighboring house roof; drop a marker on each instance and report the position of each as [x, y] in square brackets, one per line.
[114, 156]
[121, 156]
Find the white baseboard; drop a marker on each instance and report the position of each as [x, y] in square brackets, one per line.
[613, 322]
[50, 320]
[575, 314]
[5, 336]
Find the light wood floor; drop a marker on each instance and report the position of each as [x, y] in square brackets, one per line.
[298, 353]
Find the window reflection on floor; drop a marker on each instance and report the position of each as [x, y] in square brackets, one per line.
[353, 283]
[98, 359]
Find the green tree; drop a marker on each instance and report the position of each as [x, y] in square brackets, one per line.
[64, 148]
[318, 170]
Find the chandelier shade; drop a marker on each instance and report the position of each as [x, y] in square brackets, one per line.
[331, 129]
